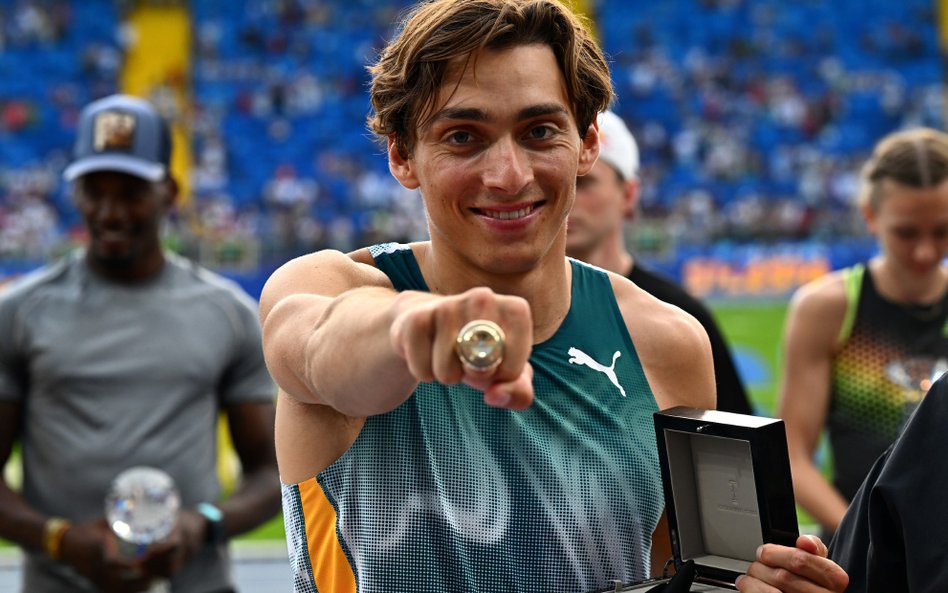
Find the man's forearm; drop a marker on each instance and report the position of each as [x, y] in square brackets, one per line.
[19, 522]
[338, 351]
[255, 501]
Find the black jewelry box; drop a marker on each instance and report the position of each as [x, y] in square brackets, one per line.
[727, 491]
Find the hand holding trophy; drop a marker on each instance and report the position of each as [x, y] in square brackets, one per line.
[141, 508]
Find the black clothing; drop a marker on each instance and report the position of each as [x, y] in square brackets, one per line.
[890, 353]
[894, 536]
[732, 397]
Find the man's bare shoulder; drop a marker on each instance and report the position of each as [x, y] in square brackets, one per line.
[644, 312]
[671, 344]
[318, 264]
[326, 272]
[364, 255]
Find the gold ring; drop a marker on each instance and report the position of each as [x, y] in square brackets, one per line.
[480, 346]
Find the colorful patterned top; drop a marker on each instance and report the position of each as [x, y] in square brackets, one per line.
[447, 494]
[891, 355]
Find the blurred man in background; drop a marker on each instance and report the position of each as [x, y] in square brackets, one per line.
[864, 344]
[122, 355]
[606, 198]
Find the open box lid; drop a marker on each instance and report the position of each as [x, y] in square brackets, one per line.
[728, 488]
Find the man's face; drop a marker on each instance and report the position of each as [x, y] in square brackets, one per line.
[497, 164]
[599, 212]
[123, 216]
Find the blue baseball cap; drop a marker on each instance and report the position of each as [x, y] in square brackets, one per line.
[121, 133]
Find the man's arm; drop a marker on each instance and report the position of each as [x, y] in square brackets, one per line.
[813, 324]
[342, 345]
[676, 358]
[19, 522]
[731, 393]
[326, 322]
[257, 497]
[672, 347]
[336, 333]
[661, 546]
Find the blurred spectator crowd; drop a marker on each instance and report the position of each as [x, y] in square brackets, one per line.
[751, 116]
[754, 115]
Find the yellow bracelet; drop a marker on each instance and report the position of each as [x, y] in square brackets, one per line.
[53, 532]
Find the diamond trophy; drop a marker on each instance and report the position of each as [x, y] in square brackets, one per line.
[141, 509]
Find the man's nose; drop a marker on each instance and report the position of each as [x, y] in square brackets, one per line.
[925, 250]
[111, 207]
[508, 168]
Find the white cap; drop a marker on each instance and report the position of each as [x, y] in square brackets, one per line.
[617, 146]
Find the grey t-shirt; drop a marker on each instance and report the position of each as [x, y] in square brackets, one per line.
[113, 376]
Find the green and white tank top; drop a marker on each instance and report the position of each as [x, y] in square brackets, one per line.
[447, 494]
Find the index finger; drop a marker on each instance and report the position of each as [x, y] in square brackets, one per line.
[513, 395]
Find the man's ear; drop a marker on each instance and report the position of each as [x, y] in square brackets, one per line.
[402, 168]
[630, 197]
[589, 149]
[171, 190]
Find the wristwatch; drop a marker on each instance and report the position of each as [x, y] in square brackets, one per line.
[216, 534]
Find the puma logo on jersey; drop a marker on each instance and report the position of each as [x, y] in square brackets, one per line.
[577, 356]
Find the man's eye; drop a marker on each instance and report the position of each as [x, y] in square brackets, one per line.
[540, 132]
[459, 137]
[906, 235]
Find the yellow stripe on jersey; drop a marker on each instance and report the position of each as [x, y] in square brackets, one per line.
[331, 568]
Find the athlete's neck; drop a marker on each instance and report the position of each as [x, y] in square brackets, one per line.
[609, 255]
[546, 286]
[902, 286]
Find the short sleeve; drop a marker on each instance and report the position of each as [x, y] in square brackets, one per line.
[13, 364]
[246, 379]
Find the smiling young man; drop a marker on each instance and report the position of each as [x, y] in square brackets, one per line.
[122, 355]
[864, 344]
[408, 464]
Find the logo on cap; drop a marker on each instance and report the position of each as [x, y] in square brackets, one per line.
[113, 130]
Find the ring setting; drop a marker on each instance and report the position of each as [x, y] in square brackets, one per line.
[480, 346]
